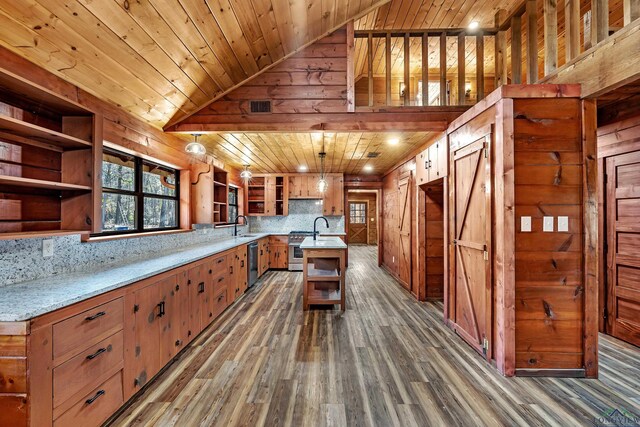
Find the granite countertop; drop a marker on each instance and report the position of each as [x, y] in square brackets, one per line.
[323, 243]
[27, 300]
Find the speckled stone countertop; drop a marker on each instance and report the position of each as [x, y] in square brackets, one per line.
[323, 243]
[27, 300]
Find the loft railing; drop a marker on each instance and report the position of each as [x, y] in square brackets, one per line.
[402, 49]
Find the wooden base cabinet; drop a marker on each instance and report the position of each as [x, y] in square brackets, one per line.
[78, 365]
[521, 290]
[279, 252]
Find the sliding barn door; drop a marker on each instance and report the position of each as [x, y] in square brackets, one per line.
[623, 258]
[404, 224]
[471, 276]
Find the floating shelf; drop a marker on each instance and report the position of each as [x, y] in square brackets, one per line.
[256, 201]
[40, 134]
[17, 181]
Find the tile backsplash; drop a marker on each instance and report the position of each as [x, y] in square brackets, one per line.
[22, 260]
[301, 216]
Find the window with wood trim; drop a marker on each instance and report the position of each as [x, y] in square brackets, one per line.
[357, 213]
[138, 195]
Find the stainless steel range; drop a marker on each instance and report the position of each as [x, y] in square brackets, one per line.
[295, 253]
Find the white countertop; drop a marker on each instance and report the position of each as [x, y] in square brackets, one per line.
[27, 300]
[323, 242]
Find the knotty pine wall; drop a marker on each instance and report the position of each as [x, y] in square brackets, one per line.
[311, 81]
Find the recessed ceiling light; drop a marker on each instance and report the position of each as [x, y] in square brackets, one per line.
[394, 141]
[473, 25]
[368, 168]
[302, 168]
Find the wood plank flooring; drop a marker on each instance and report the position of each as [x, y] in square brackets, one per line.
[387, 361]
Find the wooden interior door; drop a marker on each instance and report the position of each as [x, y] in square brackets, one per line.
[404, 225]
[471, 275]
[623, 243]
[358, 214]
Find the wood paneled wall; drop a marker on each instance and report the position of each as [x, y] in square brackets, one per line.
[312, 81]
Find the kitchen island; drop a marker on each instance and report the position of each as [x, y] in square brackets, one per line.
[324, 266]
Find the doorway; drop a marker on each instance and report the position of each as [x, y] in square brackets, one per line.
[362, 217]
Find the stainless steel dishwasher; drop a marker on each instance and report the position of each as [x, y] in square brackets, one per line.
[253, 263]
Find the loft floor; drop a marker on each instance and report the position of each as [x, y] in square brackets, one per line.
[388, 360]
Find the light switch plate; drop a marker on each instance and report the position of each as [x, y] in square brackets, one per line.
[563, 224]
[47, 248]
[525, 224]
[547, 224]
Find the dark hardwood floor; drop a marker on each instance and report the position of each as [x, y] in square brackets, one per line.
[387, 361]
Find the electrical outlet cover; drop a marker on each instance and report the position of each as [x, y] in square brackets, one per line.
[563, 224]
[525, 224]
[547, 224]
[47, 248]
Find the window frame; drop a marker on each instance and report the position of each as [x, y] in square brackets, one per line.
[360, 213]
[140, 195]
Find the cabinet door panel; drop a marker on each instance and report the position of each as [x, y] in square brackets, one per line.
[422, 171]
[443, 158]
[195, 284]
[432, 162]
[172, 317]
[146, 356]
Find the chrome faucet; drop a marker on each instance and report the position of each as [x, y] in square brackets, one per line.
[315, 221]
[235, 224]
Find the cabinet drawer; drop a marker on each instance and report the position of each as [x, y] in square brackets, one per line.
[219, 263]
[94, 408]
[220, 283]
[279, 239]
[85, 368]
[87, 328]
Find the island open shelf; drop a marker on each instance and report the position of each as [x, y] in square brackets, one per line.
[324, 266]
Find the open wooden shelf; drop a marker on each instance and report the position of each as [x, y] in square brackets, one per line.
[17, 181]
[314, 274]
[324, 296]
[41, 134]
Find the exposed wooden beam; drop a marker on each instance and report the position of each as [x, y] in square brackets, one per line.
[516, 50]
[550, 36]
[411, 119]
[351, 71]
[609, 65]
[443, 69]
[370, 68]
[532, 42]
[500, 52]
[407, 70]
[599, 20]
[571, 29]
[387, 56]
[462, 53]
[631, 10]
[480, 66]
[425, 69]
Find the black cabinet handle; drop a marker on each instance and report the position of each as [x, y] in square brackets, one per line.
[201, 287]
[231, 270]
[96, 354]
[95, 316]
[242, 264]
[161, 311]
[94, 398]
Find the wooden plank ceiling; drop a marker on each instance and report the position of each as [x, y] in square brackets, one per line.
[285, 152]
[160, 59]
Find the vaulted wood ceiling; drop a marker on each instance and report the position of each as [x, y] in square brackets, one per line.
[161, 59]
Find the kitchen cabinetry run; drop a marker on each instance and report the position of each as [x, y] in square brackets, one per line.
[304, 186]
[432, 163]
[333, 197]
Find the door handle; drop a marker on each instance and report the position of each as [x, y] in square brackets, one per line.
[161, 309]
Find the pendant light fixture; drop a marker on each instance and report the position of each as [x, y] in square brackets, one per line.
[322, 182]
[246, 173]
[195, 147]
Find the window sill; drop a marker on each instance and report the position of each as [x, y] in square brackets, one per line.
[95, 239]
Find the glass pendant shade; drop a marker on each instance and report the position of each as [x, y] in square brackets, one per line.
[246, 173]
[322, 185]
[195, 147]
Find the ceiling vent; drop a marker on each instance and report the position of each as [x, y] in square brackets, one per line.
[260, 106]
[372, 154]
